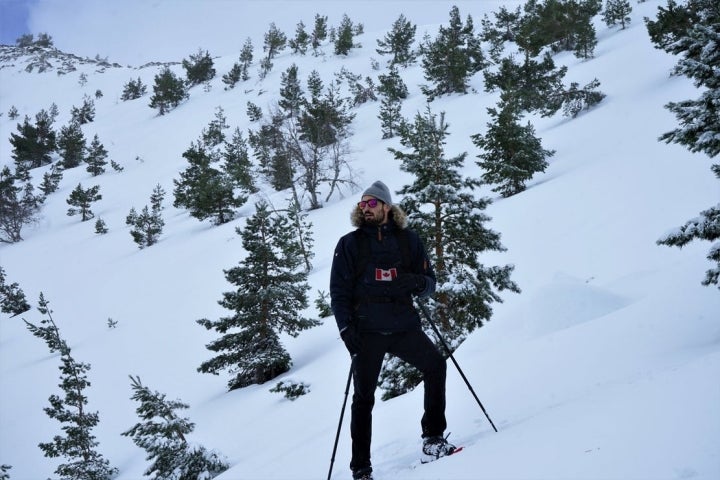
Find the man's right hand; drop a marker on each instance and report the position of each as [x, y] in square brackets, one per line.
[352, 339]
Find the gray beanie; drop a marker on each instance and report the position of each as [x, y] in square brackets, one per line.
[380, 191]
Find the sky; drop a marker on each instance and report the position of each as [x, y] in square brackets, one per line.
[604, 367]
[14, 20]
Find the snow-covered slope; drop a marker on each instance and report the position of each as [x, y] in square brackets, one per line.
[606, 366]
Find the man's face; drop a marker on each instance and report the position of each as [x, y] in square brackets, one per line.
[376, 215]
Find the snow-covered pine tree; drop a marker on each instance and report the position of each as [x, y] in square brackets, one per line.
[80, 200]
[444, 209]
[452, 58]
[96, 157]
[271, 293]
[699, 130]
[78, 446]
[12, 298]
[162, 434]
[512, 153]
[168, 91]
[4, 472]
[398, 42]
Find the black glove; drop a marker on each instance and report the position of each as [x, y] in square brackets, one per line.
[352, 339]
[408, 283]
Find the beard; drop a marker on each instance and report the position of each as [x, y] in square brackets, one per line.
[374, 219]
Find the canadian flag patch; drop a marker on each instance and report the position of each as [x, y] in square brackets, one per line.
[388, 275]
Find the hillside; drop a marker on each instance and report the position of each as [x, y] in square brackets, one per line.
[605, 366]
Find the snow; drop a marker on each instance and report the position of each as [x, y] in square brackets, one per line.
[606, 366]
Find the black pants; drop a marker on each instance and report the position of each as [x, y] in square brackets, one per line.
[418, 350]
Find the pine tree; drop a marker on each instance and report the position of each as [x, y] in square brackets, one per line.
[84, 114]
[390, 117]
[300, 42]
[270, 150]
[444, 209]
[163, 435]
[206, 191]
[344, 41]
[532, 86]
[398, 42]
[101, 227]
[18, 206]
[271, 293]
[133, 89]
[199, 68]
[237, 162]
[303, 231]
[452, 58]
[78, 446]
[275, 42]
[672, 22]
[512, 153]
[214, 134]
[617, 11]
[169, 91]
[4, 475]
[319, 33]
[699, 129]
[12, 298]
[81, 199]
[246, 58]
[148, 225]
[291, 93]
[392, 85]
[233, 76]
[324, 126]
[699, 119]
[51, 179]
[71, 145]
[34, 144]
[96, 157]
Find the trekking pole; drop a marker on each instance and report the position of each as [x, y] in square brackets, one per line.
[447, 348]
[342, 414]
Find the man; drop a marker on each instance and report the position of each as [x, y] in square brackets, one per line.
[375, 270]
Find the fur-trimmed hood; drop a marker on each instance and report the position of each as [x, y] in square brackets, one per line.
[396, 213]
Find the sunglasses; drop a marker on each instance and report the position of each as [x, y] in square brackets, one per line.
[372, 203]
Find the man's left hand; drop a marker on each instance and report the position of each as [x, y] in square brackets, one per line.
[408, 283]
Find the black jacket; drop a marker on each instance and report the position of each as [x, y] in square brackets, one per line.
[369, 299]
